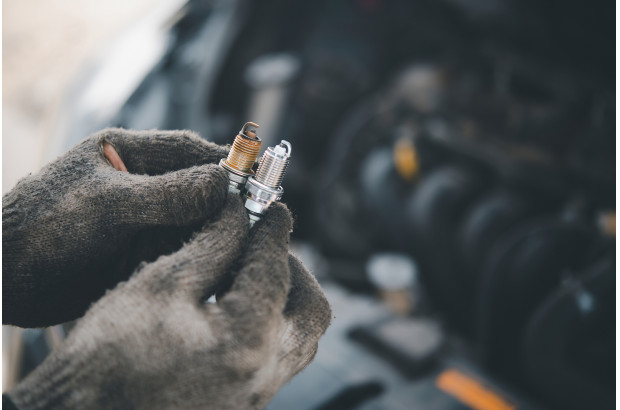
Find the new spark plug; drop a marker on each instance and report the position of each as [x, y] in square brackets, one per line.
[241, 158]
[264, 188]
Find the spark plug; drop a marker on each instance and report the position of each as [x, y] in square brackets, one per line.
[264, 188]
[241, 158]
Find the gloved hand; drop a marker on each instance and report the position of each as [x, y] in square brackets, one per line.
[79, 226]
[152, 342]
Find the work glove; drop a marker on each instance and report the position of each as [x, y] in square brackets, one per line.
[81, 224]
[153, 342]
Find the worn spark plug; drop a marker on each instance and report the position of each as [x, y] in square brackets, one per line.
[241, 158]
[264, 188]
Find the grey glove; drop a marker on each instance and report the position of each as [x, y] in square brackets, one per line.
[152, 342]
[79, 226]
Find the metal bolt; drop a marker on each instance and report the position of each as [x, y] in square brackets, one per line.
[241, 158]
[264, 188]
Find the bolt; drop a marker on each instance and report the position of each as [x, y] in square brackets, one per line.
[264, 188]
[241, 158]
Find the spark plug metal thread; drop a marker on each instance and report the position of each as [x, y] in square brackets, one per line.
[241, 158]
[264, 188]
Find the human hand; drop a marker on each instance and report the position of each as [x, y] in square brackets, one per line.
[153, 343]
[80, 225]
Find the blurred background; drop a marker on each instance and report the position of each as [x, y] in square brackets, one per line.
[453, 173]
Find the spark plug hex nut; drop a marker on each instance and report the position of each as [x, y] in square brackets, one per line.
[236, 179]
[259, 197]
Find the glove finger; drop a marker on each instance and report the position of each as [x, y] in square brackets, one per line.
[176, 198]
[309, 313]
[156, 152]
[259, 291]
[195, 270]
[306, 307]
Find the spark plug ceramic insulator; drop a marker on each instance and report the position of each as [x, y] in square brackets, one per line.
[241, 158]
[264, 188]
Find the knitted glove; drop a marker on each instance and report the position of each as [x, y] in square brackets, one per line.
[153, 343]
[81, 225]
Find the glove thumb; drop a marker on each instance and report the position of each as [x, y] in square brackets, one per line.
[176, 198]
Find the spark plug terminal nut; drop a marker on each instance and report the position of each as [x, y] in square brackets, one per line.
[241, 158]
[264, 188]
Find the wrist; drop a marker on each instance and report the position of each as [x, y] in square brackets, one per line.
[63, 381]
[51, 385]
